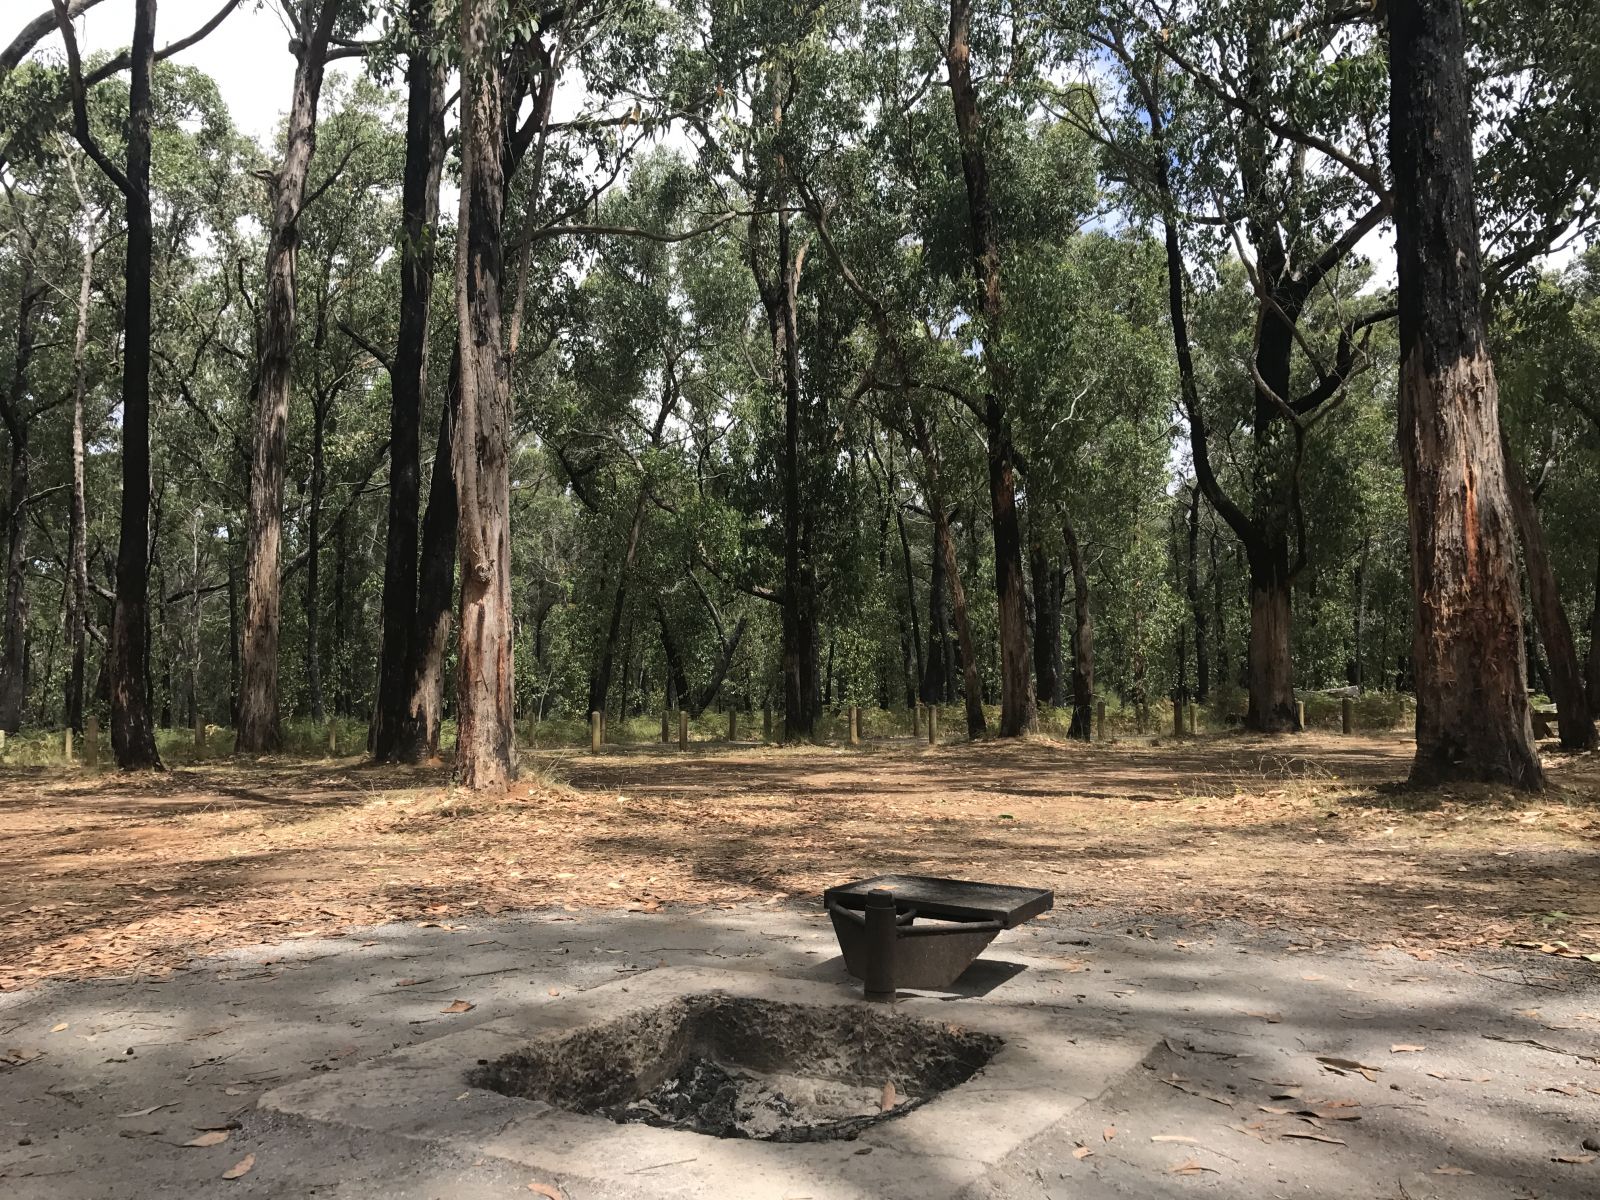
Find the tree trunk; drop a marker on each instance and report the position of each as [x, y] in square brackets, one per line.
[482, 442]
[911, 605]
[1197, 607]
[801, 686]
[14, 656]
[313, 592]
[935, 676]
[1046, 617]
[436, 580]
[259, 716]
[1593, 662]
[77, 532]
[1082, 638]
[1472, 705]
[1271, 667]
[1016, 680]
[973, 688]
[1219, 611]
[133, 740]
[1574, 718]
[402, 632]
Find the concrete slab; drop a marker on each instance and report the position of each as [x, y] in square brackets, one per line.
[1052, 1062]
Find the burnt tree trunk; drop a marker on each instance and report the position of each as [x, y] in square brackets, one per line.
[1082, 638]
[259, 716]
[1016, 679]
[1574, 718]
[482, 442]
[424, 162]
[1472, 705]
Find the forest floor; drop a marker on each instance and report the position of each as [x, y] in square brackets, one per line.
[101, 874]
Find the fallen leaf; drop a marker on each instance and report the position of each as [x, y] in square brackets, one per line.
[1449, 1170]
[145, 1112]
[58, 1028]
[1578, 1159]
[1191, 1167]
[1306, 1135]
[242, 1167]
[548, 1190]
[887, 1100]
[460, 1006]
[214, 1138]
[1310, 978]
[1406, 1048]
[1175, 1137]
[1342, 1065]
[1082, 1152]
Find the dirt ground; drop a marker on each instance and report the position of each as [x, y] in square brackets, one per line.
[103, 875]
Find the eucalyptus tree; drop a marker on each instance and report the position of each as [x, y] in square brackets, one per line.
[1203, 138]
[312, 23]
[132, 731]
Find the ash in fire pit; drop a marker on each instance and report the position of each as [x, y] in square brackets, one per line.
[743, 1068]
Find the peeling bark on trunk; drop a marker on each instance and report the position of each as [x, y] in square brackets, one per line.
[1472, 706]
[1016, 679]
[402, 631]
[1575, 719]
[484, 680]
[436, 582]
[259, 716]
[1082, 639]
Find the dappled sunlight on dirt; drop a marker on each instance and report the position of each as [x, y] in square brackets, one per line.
[1311, 834]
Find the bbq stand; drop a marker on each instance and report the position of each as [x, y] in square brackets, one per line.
[875, 921]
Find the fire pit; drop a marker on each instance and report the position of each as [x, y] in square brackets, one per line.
[737, 1067]
[875, 922]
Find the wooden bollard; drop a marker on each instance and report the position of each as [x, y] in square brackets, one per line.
[67, 743]
[683, 729]
[933, 724]
[916, 719]
[595, 733]
[1100, 720]
[733, 724]
[1300, 714]
[91, 742]
[1347, 715]
[855, 725]
[666, 726]
[199, 732]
